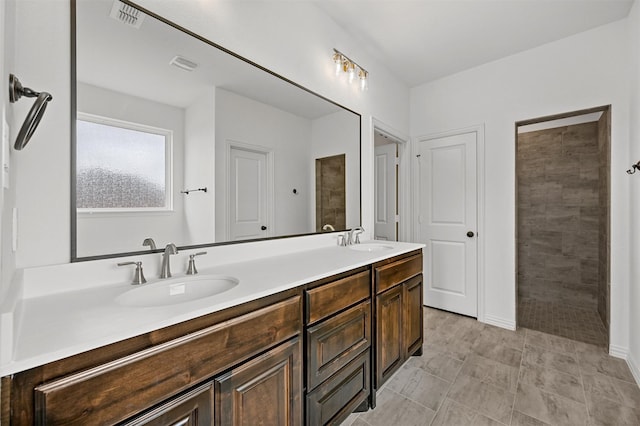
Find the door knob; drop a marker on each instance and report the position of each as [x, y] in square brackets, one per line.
[264, 228]
[470, 234]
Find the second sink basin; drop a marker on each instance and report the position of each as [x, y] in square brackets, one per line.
[370, 247]
[176, 290]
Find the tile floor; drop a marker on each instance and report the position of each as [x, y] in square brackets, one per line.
[476, 374]
[562, 320]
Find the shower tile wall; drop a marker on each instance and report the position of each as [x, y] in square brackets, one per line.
[558, 223]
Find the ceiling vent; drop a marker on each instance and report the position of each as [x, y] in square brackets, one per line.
[183, 63]
[126, 14]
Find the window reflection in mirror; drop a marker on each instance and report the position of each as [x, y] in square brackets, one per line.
[248, 136]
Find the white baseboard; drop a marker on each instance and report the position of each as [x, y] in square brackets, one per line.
[500, 322]
[634, 366]
[618, 351]
[622, 352]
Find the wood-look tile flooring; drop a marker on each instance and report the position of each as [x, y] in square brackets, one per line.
[563, 320]
[476, 374]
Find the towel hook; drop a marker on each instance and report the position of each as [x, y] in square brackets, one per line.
[634, 168]
[16, 91]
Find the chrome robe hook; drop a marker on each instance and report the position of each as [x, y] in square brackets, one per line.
[16, 91]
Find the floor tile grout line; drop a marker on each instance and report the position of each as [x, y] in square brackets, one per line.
[584, 391]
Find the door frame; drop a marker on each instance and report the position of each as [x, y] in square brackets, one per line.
[268, 152]
[480, 205]
[405, 200]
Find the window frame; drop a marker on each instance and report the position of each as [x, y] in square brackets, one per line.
[168, 147]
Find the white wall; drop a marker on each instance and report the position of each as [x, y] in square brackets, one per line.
[7, 196]
[102, 233]
[293, 39]
[582, 71]
[634, 230]
[332, 135]
[287, 136]
[199, 154]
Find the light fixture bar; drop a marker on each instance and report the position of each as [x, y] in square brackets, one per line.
[352, 68]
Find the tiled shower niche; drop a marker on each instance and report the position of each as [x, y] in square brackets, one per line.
[563, 221]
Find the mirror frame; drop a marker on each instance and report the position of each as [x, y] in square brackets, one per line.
[73, 75]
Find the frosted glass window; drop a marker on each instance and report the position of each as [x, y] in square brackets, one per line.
[121, 167]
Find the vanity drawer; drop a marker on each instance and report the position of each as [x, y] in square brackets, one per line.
[333, 343]
[394, 273]
[335, 399]
[119, 389]
[330, 298]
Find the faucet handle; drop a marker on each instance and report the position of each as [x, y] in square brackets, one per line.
[191, 269]
[138, 277]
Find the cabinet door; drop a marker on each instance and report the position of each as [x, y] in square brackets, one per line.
[191, 409]
[412, 324]
[263, 391]
[389, 346]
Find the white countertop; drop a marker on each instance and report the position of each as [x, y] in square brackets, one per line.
[46, 327]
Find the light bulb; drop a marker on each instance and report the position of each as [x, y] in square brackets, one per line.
[337, 60]
[363, 80]
[352, 72]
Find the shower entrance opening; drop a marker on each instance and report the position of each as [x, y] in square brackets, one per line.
[562, 226]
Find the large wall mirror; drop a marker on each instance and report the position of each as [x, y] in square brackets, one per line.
[176, 140]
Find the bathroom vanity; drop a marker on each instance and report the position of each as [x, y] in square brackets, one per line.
[307, 348]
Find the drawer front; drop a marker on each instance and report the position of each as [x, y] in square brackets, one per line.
[330, 298]
[335, 342]
[193, 408]
[119, 389]
[394, 273]
[333, 401]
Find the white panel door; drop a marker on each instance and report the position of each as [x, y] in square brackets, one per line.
[248, 212]
[447, 221]
[385, 192]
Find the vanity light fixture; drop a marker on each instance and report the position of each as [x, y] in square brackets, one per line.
[351, 68]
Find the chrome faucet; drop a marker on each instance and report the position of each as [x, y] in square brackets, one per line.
[165, 270]
[328, 227]
[355, 231]
[149, 242]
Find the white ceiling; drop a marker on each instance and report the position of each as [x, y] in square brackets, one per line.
[423, 40]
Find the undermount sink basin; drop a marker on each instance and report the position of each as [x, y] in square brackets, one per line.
[370, 247]
[177, 290]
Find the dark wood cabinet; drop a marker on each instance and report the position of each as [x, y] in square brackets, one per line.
[264, 391]
[412, 292]
[399, 314]
[116, 391]
[338, 356]
[389, 322]
[193, 408]
[336, 398]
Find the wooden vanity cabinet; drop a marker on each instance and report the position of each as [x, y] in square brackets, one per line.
[310, 355]
[399, 314]
[338, 357]
[148, 386]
